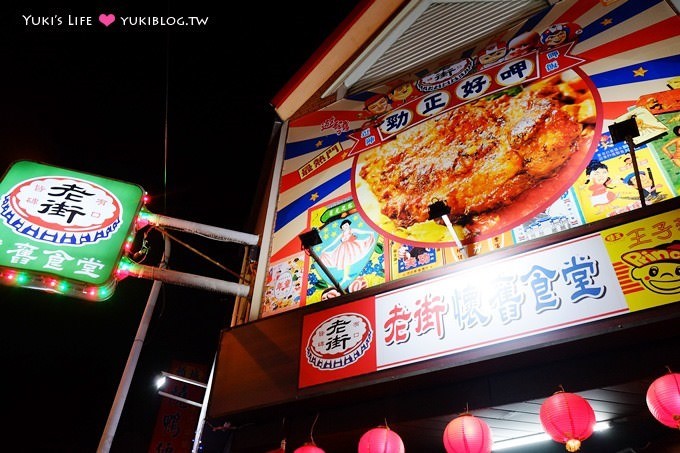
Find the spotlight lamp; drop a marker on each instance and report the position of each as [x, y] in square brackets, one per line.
[310, 238]
[623, 130]
[439, 209]
[626, 130]
[160, 382]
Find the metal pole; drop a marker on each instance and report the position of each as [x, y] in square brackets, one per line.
[452, 231]
[160, 275]
[211, 232]
[183, 379]
[124, 385]
[204, 410]
[179, 398]
[325, 270]
[631, 147]
[189, 280]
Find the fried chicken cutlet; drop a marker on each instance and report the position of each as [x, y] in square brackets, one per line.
[477, 158]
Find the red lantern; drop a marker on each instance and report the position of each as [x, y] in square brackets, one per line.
[309, 447]
[568, 419]
[381, 440]
[467, 434]
[663, 400]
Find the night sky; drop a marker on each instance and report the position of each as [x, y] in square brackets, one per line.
[183, 112]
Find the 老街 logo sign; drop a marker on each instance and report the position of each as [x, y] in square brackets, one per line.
[64, 211]
[339, 341]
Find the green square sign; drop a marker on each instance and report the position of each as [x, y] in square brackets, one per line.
[59, 225]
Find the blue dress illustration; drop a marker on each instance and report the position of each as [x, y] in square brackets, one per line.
[348, 253]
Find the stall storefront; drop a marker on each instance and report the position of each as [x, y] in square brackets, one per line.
[467, 228]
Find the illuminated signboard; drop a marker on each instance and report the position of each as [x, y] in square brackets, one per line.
[64, 231]
[613, 272]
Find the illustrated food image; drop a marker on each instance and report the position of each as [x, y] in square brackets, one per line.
[482, 156]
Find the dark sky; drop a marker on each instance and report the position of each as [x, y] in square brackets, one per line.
[185, 114]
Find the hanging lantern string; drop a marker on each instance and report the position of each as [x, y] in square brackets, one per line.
[311, 431]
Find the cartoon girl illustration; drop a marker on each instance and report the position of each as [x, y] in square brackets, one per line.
[347, 249]
[599, 180]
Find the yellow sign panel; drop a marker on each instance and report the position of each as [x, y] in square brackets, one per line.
[646, 257]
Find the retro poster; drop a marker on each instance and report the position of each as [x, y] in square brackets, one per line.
[504, 135]
[283, 285]
[407, 259]
[608, 185]
[562, 215]
[349, 256]
[667, 147]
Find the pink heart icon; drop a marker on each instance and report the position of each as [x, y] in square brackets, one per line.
[106, 19]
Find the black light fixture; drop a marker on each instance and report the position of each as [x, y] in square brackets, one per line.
[309, 239]
[439, 209]
[623, 130]
[626, 130]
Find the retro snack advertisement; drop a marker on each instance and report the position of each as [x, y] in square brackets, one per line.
[511, 138]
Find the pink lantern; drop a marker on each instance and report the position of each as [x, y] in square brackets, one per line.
[381, 440]
[308, 447]
[568, 419]
[467, 434]
[663, 400]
